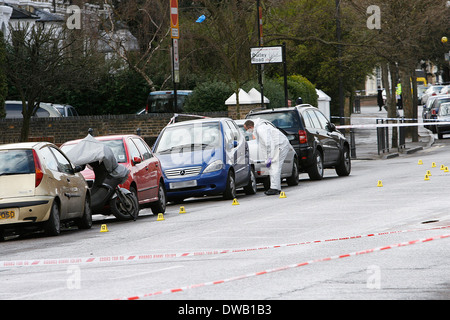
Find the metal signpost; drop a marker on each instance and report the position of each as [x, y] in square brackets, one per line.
[175, 34]
[272, 54]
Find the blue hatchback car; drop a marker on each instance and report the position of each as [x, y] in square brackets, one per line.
[204, 157]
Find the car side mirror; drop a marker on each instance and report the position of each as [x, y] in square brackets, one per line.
[79, 168]
[136, 160]
[331, 126]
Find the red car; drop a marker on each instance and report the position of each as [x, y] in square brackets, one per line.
[145, 179]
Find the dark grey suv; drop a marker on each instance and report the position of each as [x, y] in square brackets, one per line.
[315, 139]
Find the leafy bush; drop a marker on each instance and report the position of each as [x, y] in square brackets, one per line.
[299, 86]
[273, 91]
[209, 97]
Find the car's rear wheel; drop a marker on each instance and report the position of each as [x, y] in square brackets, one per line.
[315, 171]
[52, 227]
[251, 188]
[85, 222]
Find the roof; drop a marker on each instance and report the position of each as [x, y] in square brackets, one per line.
[19, 13]
[22, 145]
[282, 109]
[101, 138]
[199, 120]
[45, 16]
[252, 97]
[322, 96]
[34, 13]
[244, 98]
[256, 96]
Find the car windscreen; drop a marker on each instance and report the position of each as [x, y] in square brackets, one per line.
[190, 136]
[16, 162]
[283, 120]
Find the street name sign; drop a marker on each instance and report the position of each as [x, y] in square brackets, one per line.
[266, 54]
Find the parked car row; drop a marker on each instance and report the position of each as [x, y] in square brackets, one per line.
[41, 188]
[433, 112]
[433, 91]
[14, 110]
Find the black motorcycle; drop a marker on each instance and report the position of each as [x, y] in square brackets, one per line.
[106, 195]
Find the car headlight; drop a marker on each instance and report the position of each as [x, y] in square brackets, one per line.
[214, 166]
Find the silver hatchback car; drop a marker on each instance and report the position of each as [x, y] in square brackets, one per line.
[40, 189]
[289, 171]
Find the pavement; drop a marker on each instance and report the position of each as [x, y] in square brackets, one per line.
[366, 138]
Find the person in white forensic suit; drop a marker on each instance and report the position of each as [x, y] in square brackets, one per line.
[273, 146]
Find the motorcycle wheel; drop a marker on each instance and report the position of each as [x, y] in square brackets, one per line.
[128, 209]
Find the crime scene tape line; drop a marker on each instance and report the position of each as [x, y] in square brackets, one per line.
[375, 118]
[291, 266]
[141, 257]
[389, 125]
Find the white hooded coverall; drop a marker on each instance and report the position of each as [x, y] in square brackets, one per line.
[272, 144]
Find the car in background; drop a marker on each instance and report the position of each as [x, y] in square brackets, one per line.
[64, 110]
[204, 157]
[164, 102]
[316, 141]
[40, 189]
[289, 170]
[445, 90]
[430, 92]
[432, 110]
[443, 116]
[426, 111]
[421, 89]
[145, 179]
[14, 110]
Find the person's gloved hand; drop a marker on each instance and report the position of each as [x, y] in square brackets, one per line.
[268, 163]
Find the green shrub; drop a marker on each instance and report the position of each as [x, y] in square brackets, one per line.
[299, 86]
[209, 97]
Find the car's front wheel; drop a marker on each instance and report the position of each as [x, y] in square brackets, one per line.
[160, 205]
[344, 167]
[293, 179]
[230, 190]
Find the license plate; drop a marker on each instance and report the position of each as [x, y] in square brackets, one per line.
[183, 184]
[7, 214]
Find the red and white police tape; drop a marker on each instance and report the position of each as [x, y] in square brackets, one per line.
[391, 125]
[291, 266]
[143, 257]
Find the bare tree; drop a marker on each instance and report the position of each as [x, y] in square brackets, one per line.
[409, 32]
[36, 64]
[225, 38]
[146, 22]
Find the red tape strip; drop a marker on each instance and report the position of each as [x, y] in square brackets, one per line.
[292, 266]
[142, 257]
